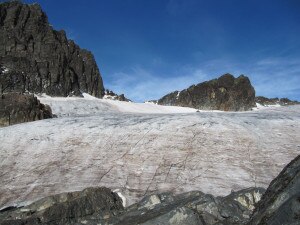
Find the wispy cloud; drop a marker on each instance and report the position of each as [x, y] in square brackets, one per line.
[278, 62]
[141, 85]
[277, 77]
[180, 7]
[271, 77]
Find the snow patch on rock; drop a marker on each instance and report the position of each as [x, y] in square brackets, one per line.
[119, 193]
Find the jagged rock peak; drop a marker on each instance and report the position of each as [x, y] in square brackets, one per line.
[51, 63]
[225, 93]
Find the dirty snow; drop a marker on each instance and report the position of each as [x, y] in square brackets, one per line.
[142, 149]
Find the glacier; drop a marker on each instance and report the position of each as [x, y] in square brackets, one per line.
[141, 149]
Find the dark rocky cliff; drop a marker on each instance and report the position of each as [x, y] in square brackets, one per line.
[47, 61]
[226, 93]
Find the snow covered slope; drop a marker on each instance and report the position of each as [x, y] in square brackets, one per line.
[144, 148]
[90, 105]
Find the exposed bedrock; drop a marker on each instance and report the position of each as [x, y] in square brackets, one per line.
[281, 202]
[100, 205]
[226, 93]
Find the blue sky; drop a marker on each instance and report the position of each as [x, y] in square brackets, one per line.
[148, 48]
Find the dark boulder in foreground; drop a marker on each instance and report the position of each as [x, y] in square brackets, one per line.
[44, 59]
[192, 208]
[101, 206]
[275, 101]
[226, 93]
[89, 205]
[281, 202]
[19, 108]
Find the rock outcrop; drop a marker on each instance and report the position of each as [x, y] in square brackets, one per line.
[43, 59]
[281, 202]
[275, 101]
[192, 208]
[100, 205]
[18, 108]
[90, 205]
[113, 96]
[225, 93]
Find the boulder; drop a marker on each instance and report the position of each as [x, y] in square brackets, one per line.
[226, 93]
[43, 59]
[281, 202]
[18, 108]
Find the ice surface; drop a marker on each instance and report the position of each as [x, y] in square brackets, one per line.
[142, 149]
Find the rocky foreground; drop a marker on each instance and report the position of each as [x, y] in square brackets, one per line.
[280, 204]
